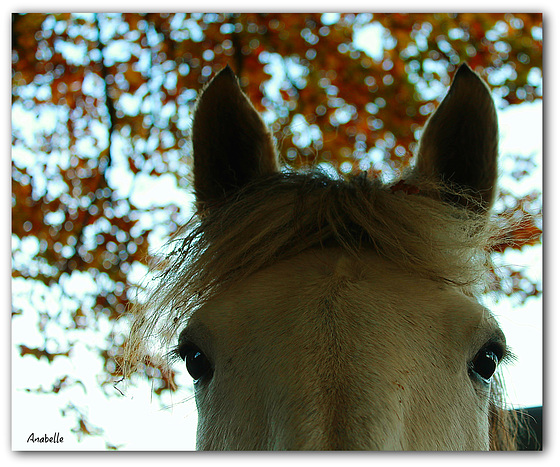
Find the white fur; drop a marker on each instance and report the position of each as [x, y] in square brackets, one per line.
[324, 351]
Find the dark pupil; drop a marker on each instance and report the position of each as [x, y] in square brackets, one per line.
[197, 363]
[485, 364]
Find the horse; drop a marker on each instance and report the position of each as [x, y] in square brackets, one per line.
[324, 313]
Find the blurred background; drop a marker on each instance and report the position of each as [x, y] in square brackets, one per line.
[101, 113]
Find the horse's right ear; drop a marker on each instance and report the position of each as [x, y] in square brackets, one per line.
[231, 143]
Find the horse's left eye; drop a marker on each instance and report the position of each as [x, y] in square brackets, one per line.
[485, 363]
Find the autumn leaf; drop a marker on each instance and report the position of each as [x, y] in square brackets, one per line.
[40, 353]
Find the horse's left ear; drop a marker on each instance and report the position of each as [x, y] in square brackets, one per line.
[460, 141]
[231, 143]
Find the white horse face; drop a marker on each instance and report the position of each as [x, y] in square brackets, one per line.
[324, 351]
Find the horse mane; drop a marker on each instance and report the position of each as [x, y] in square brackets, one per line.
[278, 216]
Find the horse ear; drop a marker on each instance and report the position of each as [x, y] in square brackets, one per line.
[231, 143]
[460, 142]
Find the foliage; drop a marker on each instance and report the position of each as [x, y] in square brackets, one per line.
[102, 103]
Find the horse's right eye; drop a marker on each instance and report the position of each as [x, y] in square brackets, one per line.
[198, 365]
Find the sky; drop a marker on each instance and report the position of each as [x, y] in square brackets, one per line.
[521, 132]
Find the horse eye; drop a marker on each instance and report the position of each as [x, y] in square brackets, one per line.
[485, 363]
[197, 363]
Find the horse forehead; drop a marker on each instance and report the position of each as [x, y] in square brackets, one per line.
[331, 344]
[346, 291]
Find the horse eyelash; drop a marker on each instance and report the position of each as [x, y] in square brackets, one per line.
[174, 355]
[509, 356]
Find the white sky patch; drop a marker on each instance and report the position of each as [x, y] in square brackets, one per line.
[369, 38]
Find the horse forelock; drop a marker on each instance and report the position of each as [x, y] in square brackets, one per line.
[279, 216]
[284, 214]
